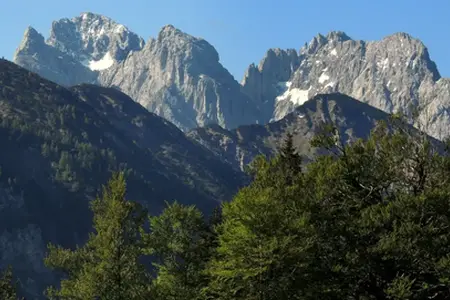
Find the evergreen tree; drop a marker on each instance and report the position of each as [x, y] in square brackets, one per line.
[182, 244]
[291, 161]
[7, 285]
[107, 267]
[264, 239]
[368, 220]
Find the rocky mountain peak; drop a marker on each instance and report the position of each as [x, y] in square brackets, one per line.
[31, 40]
[265, 82]
[338, 36]
[77, 48]
[320, 41]
[276, 55]
[316, 42]
[394, 74]
[168, 30]
[172, 41]
[32, 34]
[92, 37]
[179, 77]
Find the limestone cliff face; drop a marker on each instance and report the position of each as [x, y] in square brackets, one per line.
[37, 56]
[176, 76]
[179, 77]
[91, 38]
[262, 83]
[394, 74]
[77, 49]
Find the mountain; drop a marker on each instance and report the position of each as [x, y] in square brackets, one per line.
[176, 75]
[180, 78]
[353, 118]
[60, 145]
[77, 49]
[394, 74]
[265, 82]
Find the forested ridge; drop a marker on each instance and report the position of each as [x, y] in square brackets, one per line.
[367, 220]
[59, 145]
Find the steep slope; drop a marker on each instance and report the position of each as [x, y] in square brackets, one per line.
[262, 83]
[60, 145]
[395, 74]
[77, 49]
[179, 77]
[239, 147]
[176, 76]
[188, 161]
[37, 56]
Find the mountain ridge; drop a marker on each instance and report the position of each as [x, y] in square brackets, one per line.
[59, 145]
[353, 118]
[180, 77]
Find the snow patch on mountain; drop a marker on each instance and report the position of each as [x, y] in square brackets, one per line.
[323, 78]
[106, 62]
[295, 95]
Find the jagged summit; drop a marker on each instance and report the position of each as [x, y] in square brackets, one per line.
[394, 74]
[31, 33]
[402, 35]
[91, 15]
[92, 37]
[30, 41]
[170, 31]
[338, 36]
[77, 48]
[174, 40]
[169, 28]
[179, 76]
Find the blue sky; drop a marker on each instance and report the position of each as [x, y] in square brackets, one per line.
[242, 31]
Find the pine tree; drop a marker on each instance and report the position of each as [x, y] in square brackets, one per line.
[107, 266]
[367, 220]
[263, 242]
[180, 241]
[290, 160]
[7, 286]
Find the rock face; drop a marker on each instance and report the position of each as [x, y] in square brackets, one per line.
[77, 49]
[263, 83]
[176, 76]
[94, 40]
[179, 77]
[39, 57]
[395, 74]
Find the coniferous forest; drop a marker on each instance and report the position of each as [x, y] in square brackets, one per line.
[365, 220]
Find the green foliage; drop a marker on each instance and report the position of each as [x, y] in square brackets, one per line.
[264, 238]
[108, 265]
[182, 242]
[364, 221]
[7, 285]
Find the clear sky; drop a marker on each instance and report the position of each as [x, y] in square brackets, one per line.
[243, 30]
